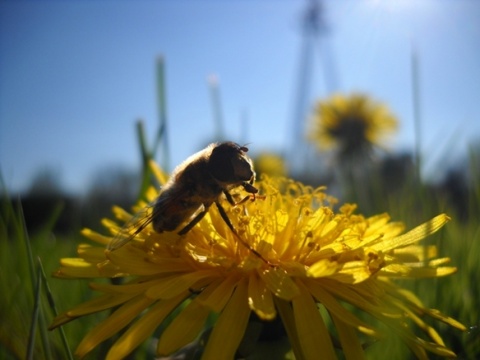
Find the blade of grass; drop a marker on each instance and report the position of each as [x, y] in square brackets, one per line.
[145, 156]
[216, 106]
[416, 110]
[53, 307]
[23, 234]
[34, 320]
[161, 137]
[41, 317]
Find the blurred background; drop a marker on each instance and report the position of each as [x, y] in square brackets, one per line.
[75, 76]
[312, 87]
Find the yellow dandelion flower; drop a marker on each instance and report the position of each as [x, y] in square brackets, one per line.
[270, 164]
[307, 257]
[354, 124]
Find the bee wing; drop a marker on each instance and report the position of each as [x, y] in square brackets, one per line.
[169, 202]
[132, 228]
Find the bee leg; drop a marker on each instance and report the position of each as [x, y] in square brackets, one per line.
[232, 201]
[194, 221]
[229, 198]
[224, 215]
[225, 218]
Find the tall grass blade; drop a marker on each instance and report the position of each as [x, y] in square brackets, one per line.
[216, 107]
[33, 282]
[162, 135]
[53, 307]
[416, 100]
[145, 156]
[34, 319]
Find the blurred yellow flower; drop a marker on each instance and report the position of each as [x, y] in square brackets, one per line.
[307, 257]
[354, 124]
[270, 164]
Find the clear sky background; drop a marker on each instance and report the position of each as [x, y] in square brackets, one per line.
[76, 75]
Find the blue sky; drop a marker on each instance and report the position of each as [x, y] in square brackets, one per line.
[76, 75]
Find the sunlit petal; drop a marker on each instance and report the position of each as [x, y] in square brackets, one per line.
[260, 298]
[183, 329]
[143, 327]
[312, 332]
[230, 326]
[115, 322]
[286, 253]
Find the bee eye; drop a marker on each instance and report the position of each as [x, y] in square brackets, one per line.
[242, 169]
[229, 163]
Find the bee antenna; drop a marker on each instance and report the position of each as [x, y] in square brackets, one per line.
[244, 147]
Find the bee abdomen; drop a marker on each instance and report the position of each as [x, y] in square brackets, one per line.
[167, 223]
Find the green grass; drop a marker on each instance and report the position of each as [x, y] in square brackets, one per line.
[25, 298]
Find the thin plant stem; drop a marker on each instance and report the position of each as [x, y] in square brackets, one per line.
[34, 319]
[33, 283]
[416, 111]
[145, 156]
[53, 307]
[162, 134]
[161, 137]
[216, 107]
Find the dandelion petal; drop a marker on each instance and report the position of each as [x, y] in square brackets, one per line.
[414, 235]
[217, 294]
[143, 327]
[312, 332]
[183, 329]
[260, 298]
[280, 283]
[230, 326]
[116, 321]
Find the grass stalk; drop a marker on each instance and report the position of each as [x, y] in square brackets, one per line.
[216, 107]
[147, 153]
[34, 318]
[416, 100]
[161, 137]
[34, 285]
[145, 156]
[53, 307]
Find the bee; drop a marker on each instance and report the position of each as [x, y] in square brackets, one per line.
[193, 187]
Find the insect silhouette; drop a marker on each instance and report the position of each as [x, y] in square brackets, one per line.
[193, 187]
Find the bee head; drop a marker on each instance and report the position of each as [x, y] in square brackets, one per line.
[229, 163]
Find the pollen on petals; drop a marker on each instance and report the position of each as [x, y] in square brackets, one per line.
[289, 255]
